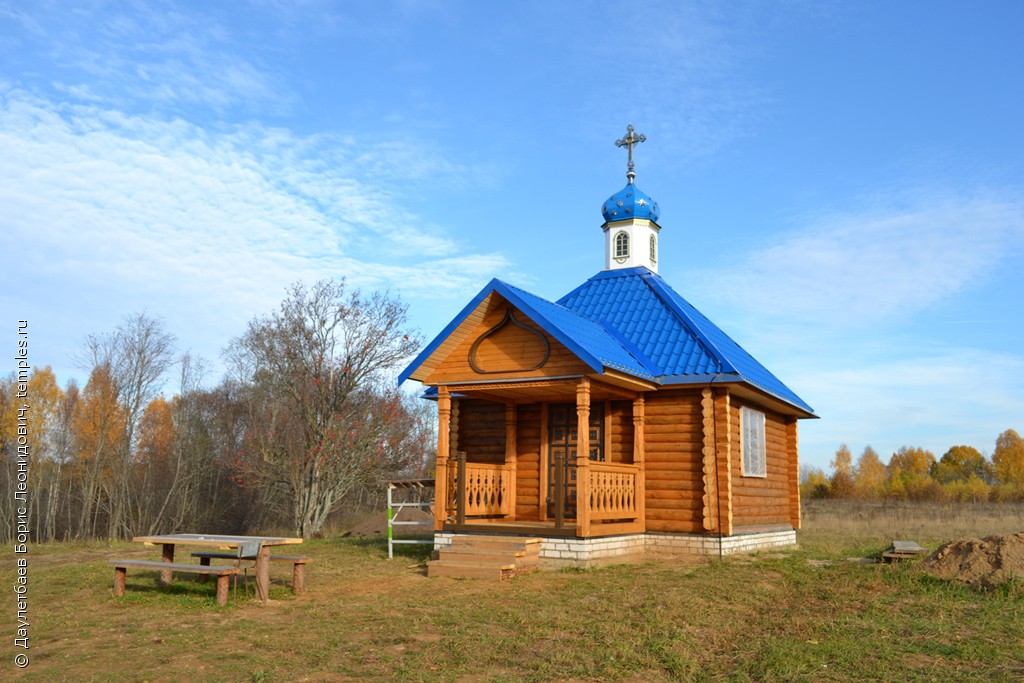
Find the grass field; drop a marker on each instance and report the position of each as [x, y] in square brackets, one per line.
[774, 616]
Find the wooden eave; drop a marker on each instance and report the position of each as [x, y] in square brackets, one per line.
[552, 390]
[630, 384]
[763, 398]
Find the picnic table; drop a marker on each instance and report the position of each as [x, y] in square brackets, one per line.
[262, 561]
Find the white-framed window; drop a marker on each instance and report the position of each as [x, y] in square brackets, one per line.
[654, 249]
[621, 250]
[755, 458]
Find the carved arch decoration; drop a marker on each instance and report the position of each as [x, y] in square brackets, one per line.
[509, 318]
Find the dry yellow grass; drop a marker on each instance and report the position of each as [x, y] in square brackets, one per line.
[839, 525]
[775, 616]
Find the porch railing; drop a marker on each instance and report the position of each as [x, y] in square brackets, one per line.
[480, 489]
[613, 491]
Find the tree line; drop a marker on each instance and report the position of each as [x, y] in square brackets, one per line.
[306, 421]
[961, 474]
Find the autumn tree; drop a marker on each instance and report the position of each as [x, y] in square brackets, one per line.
[869, 476]
[908, 472]
[45, 460]
[99, 427]
[155, 470]
[841, 481]
[813, 482]
[1008, 459]
[136, 356]
[959, 463]
[320, 421]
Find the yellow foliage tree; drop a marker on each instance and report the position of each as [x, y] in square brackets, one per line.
[156, 433]
[99, 427]
[870, 476]
[909, 476]
[1008, 459]
[841, 482]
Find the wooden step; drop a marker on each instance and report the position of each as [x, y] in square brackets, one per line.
[496, 542]
[519, 559]
[481, 538]
[492, 557]
[469, 570]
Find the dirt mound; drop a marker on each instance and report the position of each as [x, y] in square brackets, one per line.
[989, 561]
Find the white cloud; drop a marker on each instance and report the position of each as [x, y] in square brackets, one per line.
[935, 400]
[111, 213]
[876, 264]
[144, 53]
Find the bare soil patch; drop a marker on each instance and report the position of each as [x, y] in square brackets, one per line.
[987, 562]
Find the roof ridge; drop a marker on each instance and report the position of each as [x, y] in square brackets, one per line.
[633, 350]
[663, 291]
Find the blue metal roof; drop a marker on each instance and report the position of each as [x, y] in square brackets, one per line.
[669, 331]
[631, 320]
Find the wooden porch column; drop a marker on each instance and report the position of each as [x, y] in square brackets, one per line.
[444, 413]
[717, 461]
[583, 458]
[723, 453]
[709, 464]
[510, 457]
[794, 472]
[639, 417]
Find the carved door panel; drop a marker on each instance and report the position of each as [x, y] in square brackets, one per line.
[562, 439]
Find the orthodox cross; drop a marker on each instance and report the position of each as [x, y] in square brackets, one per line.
[629, 142]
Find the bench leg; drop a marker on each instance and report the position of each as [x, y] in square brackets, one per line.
[263, 574]
[120, 573]
[204, 562]
[222, 589]
[299, 578]
[165, 576]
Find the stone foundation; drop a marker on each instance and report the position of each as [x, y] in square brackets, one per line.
[556, 553]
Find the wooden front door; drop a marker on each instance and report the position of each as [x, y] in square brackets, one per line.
[562, 439]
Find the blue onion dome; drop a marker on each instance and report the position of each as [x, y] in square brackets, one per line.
[630, 202]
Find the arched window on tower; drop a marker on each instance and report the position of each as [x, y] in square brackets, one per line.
[622, 246]
[654, 249]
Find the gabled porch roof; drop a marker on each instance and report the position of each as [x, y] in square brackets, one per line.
[594, 343]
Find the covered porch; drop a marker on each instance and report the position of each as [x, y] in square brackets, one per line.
[555, 457]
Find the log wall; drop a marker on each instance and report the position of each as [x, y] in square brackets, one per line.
[528, 460]
[619, 427]
[759, 501]
[481, 433]
[673, 432]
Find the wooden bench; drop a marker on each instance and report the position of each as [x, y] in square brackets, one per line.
[222, 574]
[298, 565]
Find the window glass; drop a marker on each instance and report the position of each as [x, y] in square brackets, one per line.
[754, 456]
[622, 245]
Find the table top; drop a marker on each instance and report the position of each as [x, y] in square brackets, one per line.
[218, 540]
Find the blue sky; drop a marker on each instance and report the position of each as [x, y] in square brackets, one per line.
[841, 184]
